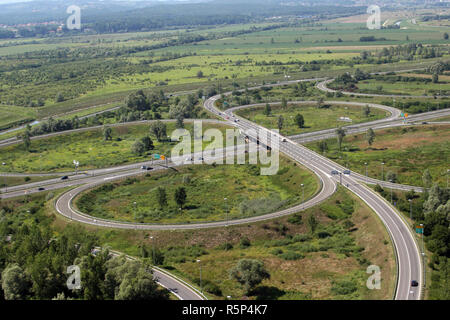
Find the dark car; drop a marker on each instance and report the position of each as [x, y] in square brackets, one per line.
[41, 189]
[149, 168]
[64, 178]
[414, 283]
[346, 171]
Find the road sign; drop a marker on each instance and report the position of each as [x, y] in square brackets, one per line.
[419, 229]
[163, 157]
[157, 156]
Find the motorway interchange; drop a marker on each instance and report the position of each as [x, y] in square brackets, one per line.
[408, 255]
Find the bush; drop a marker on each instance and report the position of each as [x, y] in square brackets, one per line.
[225, 246]
[343, 287]
[291, 255]
[245, 243]
[212, 288]
[295, 219]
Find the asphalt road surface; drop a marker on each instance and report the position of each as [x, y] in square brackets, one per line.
[407, 251]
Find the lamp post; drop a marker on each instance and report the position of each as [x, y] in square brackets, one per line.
[200, 265]
[424, 257]
[226, 210]
[410, 208]
[366, 167]
[303, 189]
[382, 171]
[391, 181]
[6, 184]
[135, 213]
[153, 250]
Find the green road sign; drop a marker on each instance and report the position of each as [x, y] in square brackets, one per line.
[419, 230]
[157, 156]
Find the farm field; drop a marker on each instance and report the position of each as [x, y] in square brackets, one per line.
[406, 152]
[57, 153]
[315, 118]
[247, 193]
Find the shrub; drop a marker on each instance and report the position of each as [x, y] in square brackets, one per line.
[245, 243]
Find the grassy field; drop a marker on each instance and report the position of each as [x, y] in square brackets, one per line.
[315, 118]
[247, 192]
[88, 147]
[12, 115]
[327, 264]
[406, 88]
[406, 152]
[252, 56]
[14, 181]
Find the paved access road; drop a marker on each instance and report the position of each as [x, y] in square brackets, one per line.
[406, 249]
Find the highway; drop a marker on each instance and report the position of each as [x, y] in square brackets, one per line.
[406, 249]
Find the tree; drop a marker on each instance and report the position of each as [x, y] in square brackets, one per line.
[200, 74]
[267, 110]
[161, 197]
[426, 178]
[370, 136]
[107, 133]
[26, 139]
[180, 196]
[148, 143]
[340, 132]
[323, 146]
[284, 103]
[299, 120]
[320, 102]
[138, 147]
[366, 110]
[391, 176]
[59, 97]
[280, 122]
[131, 280]
[180, 122]
[14, 282]
[435, 77]
[159, 129]
[249, 273]
[445, 36]
[313, 223]
[138, 101]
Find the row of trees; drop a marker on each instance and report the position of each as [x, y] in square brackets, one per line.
[34, 262]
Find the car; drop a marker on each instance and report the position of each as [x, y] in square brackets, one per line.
[64, 178]
[201, 158]
[149, 168]
[346, 171]
[414, 283]
[334, 172]
[284, 140]
[189, 159]
[41, 189]
[144, 167]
